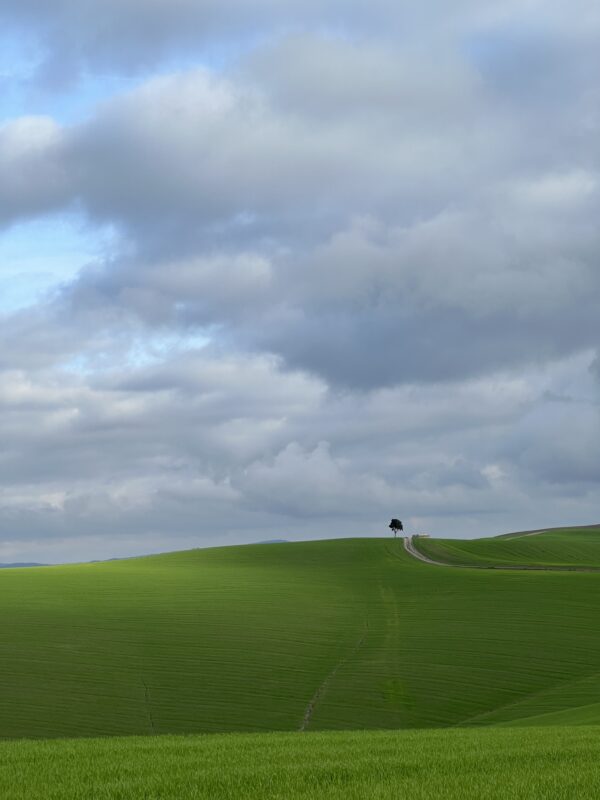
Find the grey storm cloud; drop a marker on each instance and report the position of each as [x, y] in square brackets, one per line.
[400, 237]
[132, 34]
[125, 34]
[353, 271]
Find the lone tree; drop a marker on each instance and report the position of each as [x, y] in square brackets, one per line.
[396, 526]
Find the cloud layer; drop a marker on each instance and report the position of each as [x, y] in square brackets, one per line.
[353, 274]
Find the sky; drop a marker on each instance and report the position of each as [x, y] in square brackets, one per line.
[289, 269]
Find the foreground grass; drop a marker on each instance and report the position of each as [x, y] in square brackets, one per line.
[250, 638]
[563, 547]
[502, 764]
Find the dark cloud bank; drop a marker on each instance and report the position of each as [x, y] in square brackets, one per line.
[354, 275]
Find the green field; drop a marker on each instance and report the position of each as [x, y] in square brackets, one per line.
[344, 635]
[562, 547]
[489, 764]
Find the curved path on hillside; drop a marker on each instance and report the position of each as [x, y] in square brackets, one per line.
[410, 548]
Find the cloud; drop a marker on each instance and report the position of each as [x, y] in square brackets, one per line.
[134, 34]
[34, 178]
[208, 449]
[352, 274]
[361, 245]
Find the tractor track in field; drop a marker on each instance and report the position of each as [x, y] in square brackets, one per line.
[148, 710]
[310, 708]
[410, 548]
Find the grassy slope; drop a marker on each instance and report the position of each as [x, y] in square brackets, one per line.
[563, 547]
[240, 639]
[495, 764]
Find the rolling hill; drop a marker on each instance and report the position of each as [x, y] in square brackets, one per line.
[341, 634]
[568, 548]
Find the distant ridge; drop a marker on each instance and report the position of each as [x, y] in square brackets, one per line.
[273, 541]
[545, 530]
[22, 564]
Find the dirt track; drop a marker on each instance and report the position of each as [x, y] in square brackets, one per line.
[410, 548]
